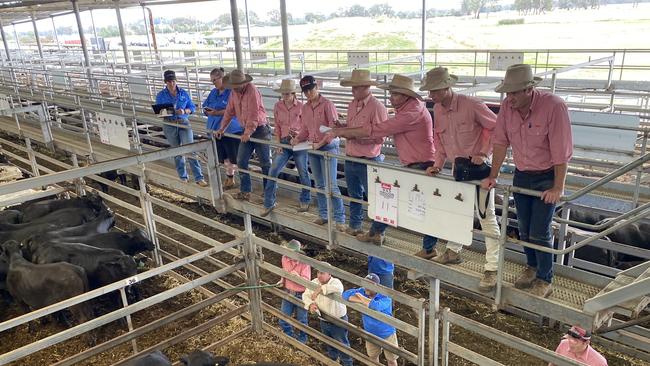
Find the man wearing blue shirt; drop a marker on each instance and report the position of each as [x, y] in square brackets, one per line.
[382, 268]
[380, 303]
[214, 107]
[176, 135]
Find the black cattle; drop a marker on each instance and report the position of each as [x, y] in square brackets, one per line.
[4, 268]
[65, 217]
[41, 285]
[103, 266]
[101, 224]
[203, 358]
[131, 243]
[152, 359]
[33, 210]
[26, 232]
[10, 217]
[637, 235]
[113, 175]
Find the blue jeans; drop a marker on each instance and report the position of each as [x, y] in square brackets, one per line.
[356, 178]
[263, 154]
[386, 279]
[279, 162]
[317, 164]
[339, 334]
[428, 242]
[288, 308]
[534, 220]
[177, 136]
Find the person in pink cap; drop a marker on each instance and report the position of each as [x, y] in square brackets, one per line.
[535, 124]
[462, 131]
[300, 269]
[576, 345]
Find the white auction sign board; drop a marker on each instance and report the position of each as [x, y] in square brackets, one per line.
[428, 205]
[113, 130]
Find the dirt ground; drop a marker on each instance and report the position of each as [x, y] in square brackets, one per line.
[267, 347]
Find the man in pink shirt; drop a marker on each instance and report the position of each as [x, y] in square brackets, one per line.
[300, 269]
[576, 346]
[246, 104]
[463, 127]
[536, 125]
[320, 111]
[364, 110]
[286, 115]
[412, 131]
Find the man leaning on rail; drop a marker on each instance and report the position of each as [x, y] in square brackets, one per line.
[246, 104]
[536, 125]
[462, 134]
[175, 134]
[412, 131]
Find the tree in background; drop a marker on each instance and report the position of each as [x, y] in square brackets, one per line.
[378, 10]
[475, 7]
[315, 17]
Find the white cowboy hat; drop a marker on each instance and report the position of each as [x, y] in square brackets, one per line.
[237, 78]
[518, 77]
[438, 78]
[403, 85]
[359, 78]
[287, 86]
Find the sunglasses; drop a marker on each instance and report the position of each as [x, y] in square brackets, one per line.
[576, 335]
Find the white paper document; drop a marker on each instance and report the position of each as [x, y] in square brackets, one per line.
[305, 145]
[324, 129]
[386, 203]
[417, 209]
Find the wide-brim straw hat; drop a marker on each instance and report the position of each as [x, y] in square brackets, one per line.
[237, 78]
[438, 78]
[518, 77]
[359, 78]
[403, 85]
[287, 86]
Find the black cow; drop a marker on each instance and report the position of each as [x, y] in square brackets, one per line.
[637, 235]
[24, 233]
[103, 266]
[33, 210]
[203, 358]
[65, 217]
[112, 175]
[101, 224]
[152, 359]
[41, 285]
[4, 268]
[131, 243]
[10, 217]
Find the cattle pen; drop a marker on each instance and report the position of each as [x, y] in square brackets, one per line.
[69, 115]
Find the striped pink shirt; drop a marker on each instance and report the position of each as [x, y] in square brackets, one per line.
[372, 112]
[540, 140]
[297, 268]
[248, 107]
[412, 131]
[287, 119]
[590, 357]
[463, 129]
[314, 115]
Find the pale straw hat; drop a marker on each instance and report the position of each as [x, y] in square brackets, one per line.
[403, 85]
[359, 77]
[438, 78]
[287, 86]
[237, 78]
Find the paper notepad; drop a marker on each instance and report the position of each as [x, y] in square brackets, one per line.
[324, 129]
[305, 145]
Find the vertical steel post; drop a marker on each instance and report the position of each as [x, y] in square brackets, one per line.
[236, 36]
[445, 337]
[125, 49]
[285, 37]
[82, 38]
[146, 31]
[554, 81]
[502, 249]
[422, 330]
[561, 238]
[129, 322]
[92, 22]
[424, 36]
[79, 182]
[32, 157]
[328, 198]
[248, 33]
[250, 256]
[434, 321]
[17, 42]
[38, 38]
[639, 170]
[56, 35]
[4, 41]
[214, 176]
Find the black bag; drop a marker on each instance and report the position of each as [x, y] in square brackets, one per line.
[464, 170]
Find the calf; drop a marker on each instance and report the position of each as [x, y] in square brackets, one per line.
[203, 358]
[101, 224]
[33, 210]
[61, 218]
[102, 266]
[637, 235]
[152, 359]
[41, 285]
[131, 243]
[11, 217]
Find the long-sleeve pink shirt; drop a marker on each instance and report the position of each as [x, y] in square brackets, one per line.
[542, 138]
[297, 268]
[321, 113]
[412, 131]
[248, 107]
[287, 119]
[463, 129]
[362, 113]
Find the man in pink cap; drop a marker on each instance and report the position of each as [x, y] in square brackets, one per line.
[576, 345]
[535, 124]
[463, 129]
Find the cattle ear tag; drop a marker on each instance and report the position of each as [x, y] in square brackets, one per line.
[131, 280]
